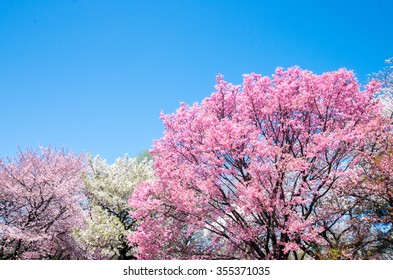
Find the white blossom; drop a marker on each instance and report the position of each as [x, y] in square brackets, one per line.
[107, 219]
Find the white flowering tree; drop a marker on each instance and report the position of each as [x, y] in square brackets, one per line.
[385, 76]
[107, 218]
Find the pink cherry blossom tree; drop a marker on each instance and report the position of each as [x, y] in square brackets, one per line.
[265, 170]
[39, 192]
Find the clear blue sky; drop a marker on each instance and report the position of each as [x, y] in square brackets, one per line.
[94, 75]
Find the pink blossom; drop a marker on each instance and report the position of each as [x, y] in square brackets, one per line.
[257, 171]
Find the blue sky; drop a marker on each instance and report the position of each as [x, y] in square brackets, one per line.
[94, 75]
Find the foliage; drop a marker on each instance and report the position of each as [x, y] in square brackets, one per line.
[145, 155]
[107, 219]
[39, 190]
[266, 170]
